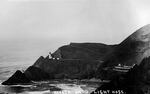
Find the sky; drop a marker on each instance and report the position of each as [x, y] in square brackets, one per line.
[49, 24]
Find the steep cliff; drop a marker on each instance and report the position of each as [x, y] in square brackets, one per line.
[68, 68]
[131, 51]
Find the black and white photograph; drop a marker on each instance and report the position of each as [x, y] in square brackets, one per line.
[74, 46]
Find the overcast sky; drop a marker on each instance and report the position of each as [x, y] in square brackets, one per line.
[65, 21]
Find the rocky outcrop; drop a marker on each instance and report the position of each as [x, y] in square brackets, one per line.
[47, 69]
[36, 74]
[68, 68]
[17, 78]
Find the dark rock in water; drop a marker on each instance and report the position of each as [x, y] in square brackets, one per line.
[136, 81]
[17, 78]
[36, 74]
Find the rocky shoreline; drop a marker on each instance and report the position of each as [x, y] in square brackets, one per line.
[48, 69]
[95, 60]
